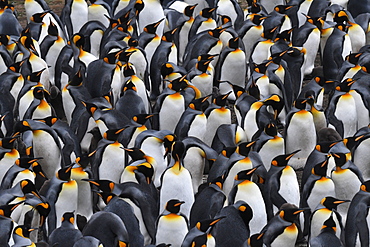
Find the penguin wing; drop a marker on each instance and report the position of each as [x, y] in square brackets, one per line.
[273, 187]
[355, 170]
[330, 113]
[307, 188]
[274, 228]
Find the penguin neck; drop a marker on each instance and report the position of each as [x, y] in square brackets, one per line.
[177, 167]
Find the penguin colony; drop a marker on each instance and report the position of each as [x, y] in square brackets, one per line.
[113, 112]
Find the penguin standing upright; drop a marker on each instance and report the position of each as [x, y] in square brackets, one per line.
[347, 179]
[327, 235]
[246, 190]
[281, 184]
[172, 226]
[150, 11]
[176, 181]
[300, 133]
[282, 229]
[356, 225]
[202, 22]
[74, 15]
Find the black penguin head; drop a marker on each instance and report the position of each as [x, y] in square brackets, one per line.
[341, 17]
[339, 158]
[49, 121]
[15, 67]
[207, 12]
[132, 42]
[139, 6]
[331, 202]
[77, 79]
[8, 142]
[23, 231]
[244, 148]
[64, 173]
[26, 162]
[234, 43]
[345, 86]
[27, 186]
[168, 140]
[106, 196]
[129, 85]
[216, 32]
[324, 147]
[271, 129]
[245, 211]
[256, 240]
[189, 10]
[203, 65]
[200, 104]
[320, 168]
[112, 134]
[353, 57]
[35, 76]
[224, 19]
[173, 206]
[128, 70]
[276, 102]
[38, 17]
[4, 39]
[330, 224]
[179, 84]
[111, 58]
[205, 225]
[254, 91]
[178, 150]
[282, 160]
[21, 126]
[245, 174]
[124, 55]
[300, 104]
[169, 35]
[38, 93]
[7, 209]
[257, 19]
[145, 169]
[219, 181]
[53, 29]
[166, 69]
[282, 9]
[228, 151]
[135, 153]
[142, 118]
[221, 100]
[152, 28]
[365, 186]
[290, 214]
[68, 217]
[103, 184]
[238, 91]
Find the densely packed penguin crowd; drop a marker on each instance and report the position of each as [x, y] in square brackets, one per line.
[183, 123]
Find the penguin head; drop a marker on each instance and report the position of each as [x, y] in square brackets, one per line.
[64, 174]
[135, 153]
[244, 148]
[106, 196]
[245, 211]
[270, 34]
[38, 17]
[103, 184]
[332, 203]
[43, 209]
[290, 214]
[78, 40]
[124, 55]
[365, 186]
[178, 84]
[324, 147]
[111, 58]
[282, 160]
[49, 121]
[142, 118]
[68, 217]
[207, 12]
[345, 86]
[173, 206]
[353, 141]
[152, 28]
[53, 29]
[206, 225]
[320, 168]
[228, 151]
[168, 140]
[139, 6]
[329, 224]
[144, 172]
[169, 35]
[253, 90]
[282, 9]
[256, 240]
[353, 58]
[178, 150]
[167, 69]
[234, 42]
[8, 142]
[203, 65]
[189, 10]
[238, 91]
[200, 104]
[301, 104]
[112, 134]
[221, 100]
[245, 174]
[23, 231]
[276, 102]
[219, 181]
[341, 16]
[27, 186]
[4, 39]
[38, 93]
[15, 67]
[216, 33]
[26, 162]
[132, 42]
[35, 76]
[128, 70]
[225, 21]
[7, 209]
[257, 19]
[339, 158]
[271, 129]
